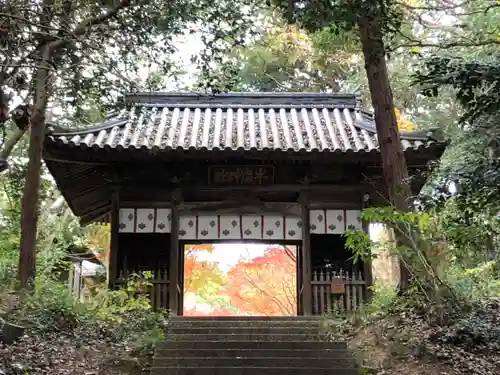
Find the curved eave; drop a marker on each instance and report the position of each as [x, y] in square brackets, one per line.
[365, 124]
[429, 150]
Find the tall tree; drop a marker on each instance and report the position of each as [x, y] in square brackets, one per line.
[373, 20]
[79, 49]
[377, 22]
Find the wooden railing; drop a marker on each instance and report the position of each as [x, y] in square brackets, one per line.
[324, 301]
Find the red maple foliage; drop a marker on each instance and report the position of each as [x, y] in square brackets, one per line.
[265, 285]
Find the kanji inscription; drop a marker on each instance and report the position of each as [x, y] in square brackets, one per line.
[241, 175]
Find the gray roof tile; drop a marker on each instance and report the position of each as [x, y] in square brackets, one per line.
[249, 121]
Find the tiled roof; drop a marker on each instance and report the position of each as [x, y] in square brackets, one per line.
[296, 122]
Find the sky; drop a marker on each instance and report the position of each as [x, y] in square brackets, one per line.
[187, 46]
[227, 255]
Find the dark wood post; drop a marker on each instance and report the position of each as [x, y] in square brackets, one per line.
[174, 274]
[306, 256]
[367, 265]
[113, 246]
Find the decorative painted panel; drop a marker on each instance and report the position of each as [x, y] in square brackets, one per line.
[353, 219]
[251, 227]
[230, 228]
[187, 227]
[317, 221]
[274, 226]
[293, 228]
[126, 219]
[208, 227]
[145, 220]
[335, 221]
[235, 227]
[163, 222]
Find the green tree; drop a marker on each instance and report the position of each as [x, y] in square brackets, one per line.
[285, 58]
[472, 160]
[381, 23]
[81, 52]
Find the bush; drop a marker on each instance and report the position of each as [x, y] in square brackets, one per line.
[384, 297]
[475, 284]
[123, 318]
[50, 306]
[126, 315]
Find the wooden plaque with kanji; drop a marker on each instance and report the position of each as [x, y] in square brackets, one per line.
[337, 286]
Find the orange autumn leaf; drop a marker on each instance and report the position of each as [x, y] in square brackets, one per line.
[203, 247]
[403, 123]
[198, 272]
[265, 285]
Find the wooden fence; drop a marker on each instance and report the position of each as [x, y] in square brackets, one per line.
[157, 292]
[324, 301]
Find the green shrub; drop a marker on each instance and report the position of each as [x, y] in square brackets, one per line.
[384, 297]
[126, 315]
[475, 284]
[50, 306]
[123, 318]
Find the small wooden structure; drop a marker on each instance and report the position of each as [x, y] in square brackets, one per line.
[75, 276]
[177, 168]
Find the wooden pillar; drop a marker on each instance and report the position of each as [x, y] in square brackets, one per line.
[113, 246]
[367, 264]
[175, 272]
[306, 256]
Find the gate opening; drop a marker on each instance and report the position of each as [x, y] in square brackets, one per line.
[240, 279]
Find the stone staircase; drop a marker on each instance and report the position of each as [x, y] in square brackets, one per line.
[250, 346]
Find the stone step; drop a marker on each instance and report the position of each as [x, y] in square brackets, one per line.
[250, 345]
[243, 330]
[246, 323]
[258, 353]
[250, 371]
[254, 336]
[245, 318]
[255, 362]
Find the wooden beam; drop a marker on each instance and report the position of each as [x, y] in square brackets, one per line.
[240, 208]
[113, 248]
[99, 214]
[334, 206]
[145, 204]
[175, 261]
[224, 190]
[306, 257]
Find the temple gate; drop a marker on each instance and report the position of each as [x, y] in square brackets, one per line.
[288, 168]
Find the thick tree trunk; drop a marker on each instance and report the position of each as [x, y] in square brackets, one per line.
[31, 192]
[393, 159]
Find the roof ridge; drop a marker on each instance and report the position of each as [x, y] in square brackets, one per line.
[246, 98]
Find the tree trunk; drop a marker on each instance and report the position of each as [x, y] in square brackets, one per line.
[9, 144]
[31, 192]
[393, 159]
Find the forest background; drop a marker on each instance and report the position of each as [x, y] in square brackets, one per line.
[443, 60]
